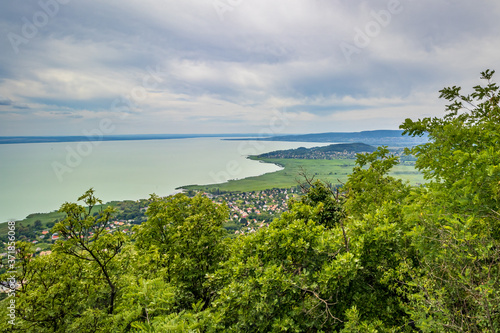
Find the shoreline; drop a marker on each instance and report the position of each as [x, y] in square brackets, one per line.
[249, 157]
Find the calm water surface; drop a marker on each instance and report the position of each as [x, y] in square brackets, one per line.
[40, 177]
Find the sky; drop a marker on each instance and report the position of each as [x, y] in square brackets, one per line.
[75, 67]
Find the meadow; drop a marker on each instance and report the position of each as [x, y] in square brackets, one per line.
[333, 171]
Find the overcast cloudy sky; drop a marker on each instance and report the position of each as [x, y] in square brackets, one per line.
[236, 66]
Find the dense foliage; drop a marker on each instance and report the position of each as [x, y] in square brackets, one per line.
[380, 256]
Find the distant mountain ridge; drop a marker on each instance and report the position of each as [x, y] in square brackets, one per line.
[377, 137]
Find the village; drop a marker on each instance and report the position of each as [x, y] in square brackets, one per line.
[250, 211]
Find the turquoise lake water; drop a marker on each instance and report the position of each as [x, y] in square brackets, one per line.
[39, 177]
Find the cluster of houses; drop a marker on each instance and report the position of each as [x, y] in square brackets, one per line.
[255, 210]
[314, 155]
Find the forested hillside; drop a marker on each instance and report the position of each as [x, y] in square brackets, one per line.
[340, 150]
[377, 256]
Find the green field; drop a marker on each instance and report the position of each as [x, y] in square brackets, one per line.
[332, 171]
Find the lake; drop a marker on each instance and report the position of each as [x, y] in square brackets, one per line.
[39, 177]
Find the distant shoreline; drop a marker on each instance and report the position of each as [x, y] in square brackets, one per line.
[129, 137]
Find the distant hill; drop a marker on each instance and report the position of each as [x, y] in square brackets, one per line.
[392, 138]
[342, 150]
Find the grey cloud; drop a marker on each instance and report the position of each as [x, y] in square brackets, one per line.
[8, 102]
[5, 101]
[92, 52]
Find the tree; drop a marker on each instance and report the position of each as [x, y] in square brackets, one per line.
[375, 226]
[369, 185]
[53, 291]
[88, 237]
[38, 225]
[320, 193]
[184, 239]
[291, 276]
[462, 157]
[454, 283]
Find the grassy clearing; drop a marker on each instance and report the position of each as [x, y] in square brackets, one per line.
[332, 171]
